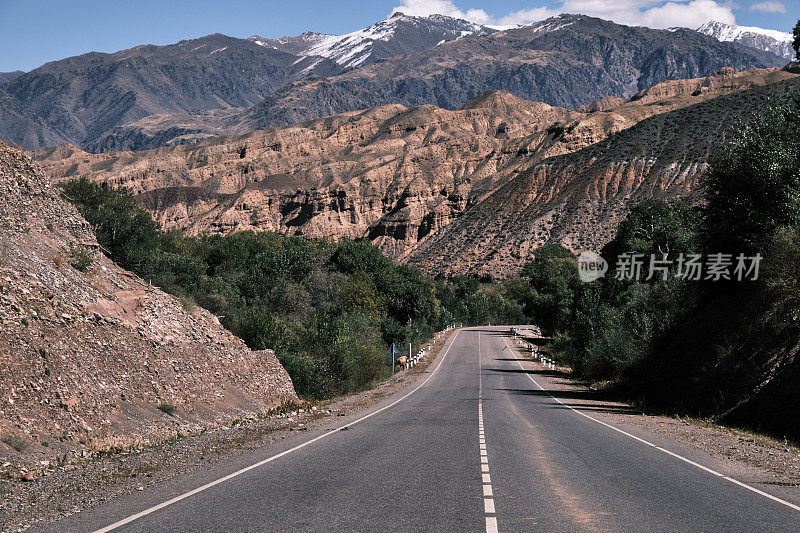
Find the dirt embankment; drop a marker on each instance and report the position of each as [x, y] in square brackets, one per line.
[93, 358]
[62, 490]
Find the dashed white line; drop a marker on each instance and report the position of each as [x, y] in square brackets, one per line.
[185, 495]
[659, 448]
[488, 493]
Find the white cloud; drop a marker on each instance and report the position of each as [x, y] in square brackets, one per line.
[769, 7]
[424, 8]
[652, 13]
[691, 15]
[526, 16]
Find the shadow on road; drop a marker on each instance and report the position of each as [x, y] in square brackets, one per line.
[548, 373]
[581, 400]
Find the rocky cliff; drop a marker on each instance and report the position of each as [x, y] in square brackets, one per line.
[472, 190]
[92, 357]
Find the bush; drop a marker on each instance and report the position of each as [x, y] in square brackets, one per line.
[80, 257]
[167, 408]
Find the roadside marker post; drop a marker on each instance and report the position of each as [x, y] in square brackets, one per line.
[392, 352]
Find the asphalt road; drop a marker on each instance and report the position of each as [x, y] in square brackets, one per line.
[483, 443]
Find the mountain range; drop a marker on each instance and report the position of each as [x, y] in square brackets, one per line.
[773, 41]
[395, 36]
[468, 191]
[150, 96]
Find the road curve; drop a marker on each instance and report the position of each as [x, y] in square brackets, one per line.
[486, 442]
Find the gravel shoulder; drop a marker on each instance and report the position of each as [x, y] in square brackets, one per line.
[37, 497]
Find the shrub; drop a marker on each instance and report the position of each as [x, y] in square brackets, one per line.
[80, 257]
[167, 408]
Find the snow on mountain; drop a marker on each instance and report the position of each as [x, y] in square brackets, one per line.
[774, 41]
[400, 34]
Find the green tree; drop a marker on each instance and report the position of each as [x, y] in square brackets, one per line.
[553, 277]
[123, 229]
[359, 293]
[796, 43]
[753, 185]
[656, 227]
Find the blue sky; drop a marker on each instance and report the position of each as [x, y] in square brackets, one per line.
[33, 32]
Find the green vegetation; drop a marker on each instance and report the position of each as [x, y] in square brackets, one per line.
[166, 408]
[724, 349]
[329, 310]
[80, 257]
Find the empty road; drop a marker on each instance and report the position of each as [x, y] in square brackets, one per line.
[477, 444]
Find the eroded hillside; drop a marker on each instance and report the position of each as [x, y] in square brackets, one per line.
[89, 352]
[473, 190]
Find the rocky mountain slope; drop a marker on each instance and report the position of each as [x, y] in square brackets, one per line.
[82, 97]
[565, 61]
[7, 77]
[89, 352]
[472, 190]
[152, 96]
[400, 34]
[773, 41]
[579, 199]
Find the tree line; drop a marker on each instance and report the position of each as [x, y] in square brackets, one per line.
[721, 348]
[330, 310]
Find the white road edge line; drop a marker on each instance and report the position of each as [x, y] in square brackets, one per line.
[185, 495]
[659, 448]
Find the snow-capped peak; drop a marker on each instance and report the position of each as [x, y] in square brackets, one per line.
[777, 42]
[553, 23]
[732, 32]
[399, 34]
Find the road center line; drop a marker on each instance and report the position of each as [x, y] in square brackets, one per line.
[659, 448]
[488, 493]
[207, 486]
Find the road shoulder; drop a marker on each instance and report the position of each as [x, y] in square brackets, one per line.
[56, 492]
[758, 461]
